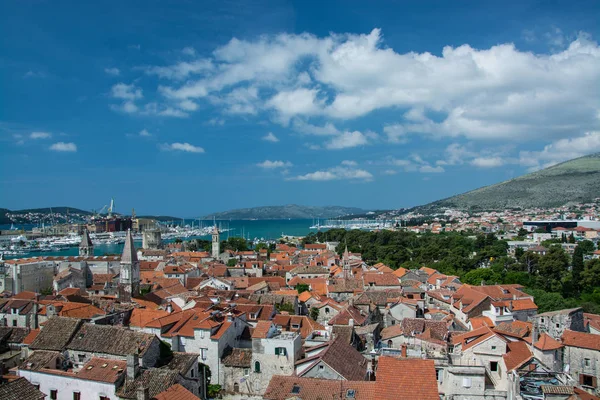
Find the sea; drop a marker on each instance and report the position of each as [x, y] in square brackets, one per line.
[254, 230]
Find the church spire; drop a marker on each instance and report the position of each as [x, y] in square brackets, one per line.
[86, 247]
[129, 255]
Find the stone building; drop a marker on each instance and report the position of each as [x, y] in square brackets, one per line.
[151, 239]
[26, 274]
[129, 277]
[86, 247]
[216, 244]
[273, 353]
[554, 323]
[581, 356]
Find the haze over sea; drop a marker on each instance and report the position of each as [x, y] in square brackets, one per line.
[253, 229]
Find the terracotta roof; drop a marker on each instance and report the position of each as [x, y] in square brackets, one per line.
[344, 359]
[31, 336]
[523, 304]
[391, 332]
[293, 387]
[182, 362]
[261, 329]
[176, 392]
[580, 339]
[592, 320]
[241, 358]
[518, 354]
[518, 329]
[20, 389]
[102, 370]
[545, 342]
[406, 379]
[478, 322]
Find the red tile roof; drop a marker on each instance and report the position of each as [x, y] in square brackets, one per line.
[580, 339]
[176, 392]
[518, 354]
[102, 370]
[406, 379]
[545, 342]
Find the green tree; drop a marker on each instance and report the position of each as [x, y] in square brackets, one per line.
[590, 277]
[314, 313]
[587, 246]
[552, 267]
[577, 268]
[302, 287]
[232, 262]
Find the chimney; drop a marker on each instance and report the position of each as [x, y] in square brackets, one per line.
[143, 393]
[33, 318]
[403, 349]
[133, 366]
[229, 317]
[169, 307]
[351, 322]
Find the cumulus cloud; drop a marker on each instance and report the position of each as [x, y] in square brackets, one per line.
[349, 163]
[64, 147]
[40, 135]
[270, 137]
[145, 133]
[347, 140]
[112, 71]
[494, 93]
[561, 150]
[268, 164]
[336, 173]
[126, 92]
[185, 147]
[487, 162]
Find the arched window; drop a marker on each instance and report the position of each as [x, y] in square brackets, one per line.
[326, 310]
[257, 367]
[390, 343]
[236, 387]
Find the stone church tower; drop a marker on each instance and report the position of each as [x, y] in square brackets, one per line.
[216, 244]
[86, 247]
[129, 277]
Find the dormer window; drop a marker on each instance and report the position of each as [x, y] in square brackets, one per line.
[295, 326]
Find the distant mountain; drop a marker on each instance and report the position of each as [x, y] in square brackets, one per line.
[48, 210]
[292, 211]
[574, 181]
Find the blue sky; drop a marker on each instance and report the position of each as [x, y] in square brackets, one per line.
[186, 108]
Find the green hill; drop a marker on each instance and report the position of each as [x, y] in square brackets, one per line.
[570, 182]
[291, 211]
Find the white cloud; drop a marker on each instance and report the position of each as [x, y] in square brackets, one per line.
[268, 164]
[302, 126]
[389, 172]
[347, 140]
[561, 150]
[126, 92]
[64, 147]
[189, 51]
[349, 163]
[429, 169]
[498, 93]
[40, 135]
[112, 71]
[270, 137]
[145, 133]
[188, 105]
[185, 147]
[487, 162]
[337, 173]
[180, 71]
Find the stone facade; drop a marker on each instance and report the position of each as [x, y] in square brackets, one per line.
[554, 323]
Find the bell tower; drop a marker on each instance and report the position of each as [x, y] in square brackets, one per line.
[216, 244]
[86, 247]
[129, 277]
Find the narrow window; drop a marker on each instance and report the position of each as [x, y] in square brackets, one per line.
[53, 394]
[76, 396]
[257, 367]
[494, 366]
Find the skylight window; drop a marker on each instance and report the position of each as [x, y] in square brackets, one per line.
[296, 389]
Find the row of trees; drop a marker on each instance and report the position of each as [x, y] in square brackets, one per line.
[555, 279]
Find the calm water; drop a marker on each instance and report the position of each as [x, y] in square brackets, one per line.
[261, 229]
